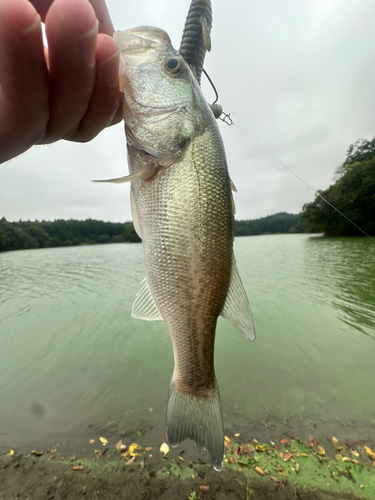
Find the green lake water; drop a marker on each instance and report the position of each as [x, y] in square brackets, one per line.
[71, 354]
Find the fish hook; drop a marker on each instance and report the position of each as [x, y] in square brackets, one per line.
[216, 108]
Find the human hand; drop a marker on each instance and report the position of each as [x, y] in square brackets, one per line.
[69, 91]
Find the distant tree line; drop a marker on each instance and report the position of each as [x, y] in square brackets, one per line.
[277, 223]
[353, 194]
[27, 234]
[22, 235]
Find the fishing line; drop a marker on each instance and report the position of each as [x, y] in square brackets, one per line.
[298, 177]
[229, 121]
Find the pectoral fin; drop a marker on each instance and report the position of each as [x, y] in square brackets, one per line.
[236, 309]
[144, 306]
[144, 173]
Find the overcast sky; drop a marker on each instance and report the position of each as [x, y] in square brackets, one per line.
[298, 77]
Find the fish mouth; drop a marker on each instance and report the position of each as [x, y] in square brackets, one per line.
[142, 41]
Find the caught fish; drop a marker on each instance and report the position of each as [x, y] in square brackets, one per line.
[183, 210]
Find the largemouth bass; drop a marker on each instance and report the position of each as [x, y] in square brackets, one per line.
[183, 211]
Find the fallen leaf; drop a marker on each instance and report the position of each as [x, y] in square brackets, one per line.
[262, 447]
[369, 452]
[204, 488]
[142, 464]
[227, 441]
[240, 469]
[338, 456]
[11, 453]
[103, 440]
[284, 441]
[148, 448]
[37, 453]
[248, 448]
[297, 467]
[132, 448]
[255, 441]
[150, 410]
[118, 445]
[73, 459]
[302, 455]
[238, 434]
[281, 470]
[276, 447]
[321, 451]
[130, 461]
[356, 462]
[259, 470]
[77, 467]
[103, 453]
[164, 448]
[92, 441]
[334, 441]
[273, 478]
[345, 459]
[139, 434]
[285, 456]
[182, 459]
[355, 453]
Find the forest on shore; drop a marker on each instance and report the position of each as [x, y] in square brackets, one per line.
[353, 194]
[59, 233]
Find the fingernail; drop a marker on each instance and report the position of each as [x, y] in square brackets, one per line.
[86, 45]
[33, 40]
[36, 25]
[110, 73]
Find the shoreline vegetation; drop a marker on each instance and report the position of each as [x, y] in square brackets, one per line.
[24, 235]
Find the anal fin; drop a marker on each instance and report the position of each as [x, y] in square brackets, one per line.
[144, 306]
[236, 309]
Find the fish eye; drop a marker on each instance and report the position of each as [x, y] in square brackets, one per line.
[172, 63]
[174, 66]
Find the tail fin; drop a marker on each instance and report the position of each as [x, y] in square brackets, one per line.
[197, 419]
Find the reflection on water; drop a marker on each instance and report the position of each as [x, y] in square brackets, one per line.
[349, 265]
[71, 354]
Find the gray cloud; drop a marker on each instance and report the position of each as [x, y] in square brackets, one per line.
[297, 77]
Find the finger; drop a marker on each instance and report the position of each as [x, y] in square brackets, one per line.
[23, 78]
[71, 29]
[101, 12]
[105, 98]
[102, 15]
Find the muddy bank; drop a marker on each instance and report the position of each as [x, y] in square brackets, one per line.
[37, 478]
[133, 467]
